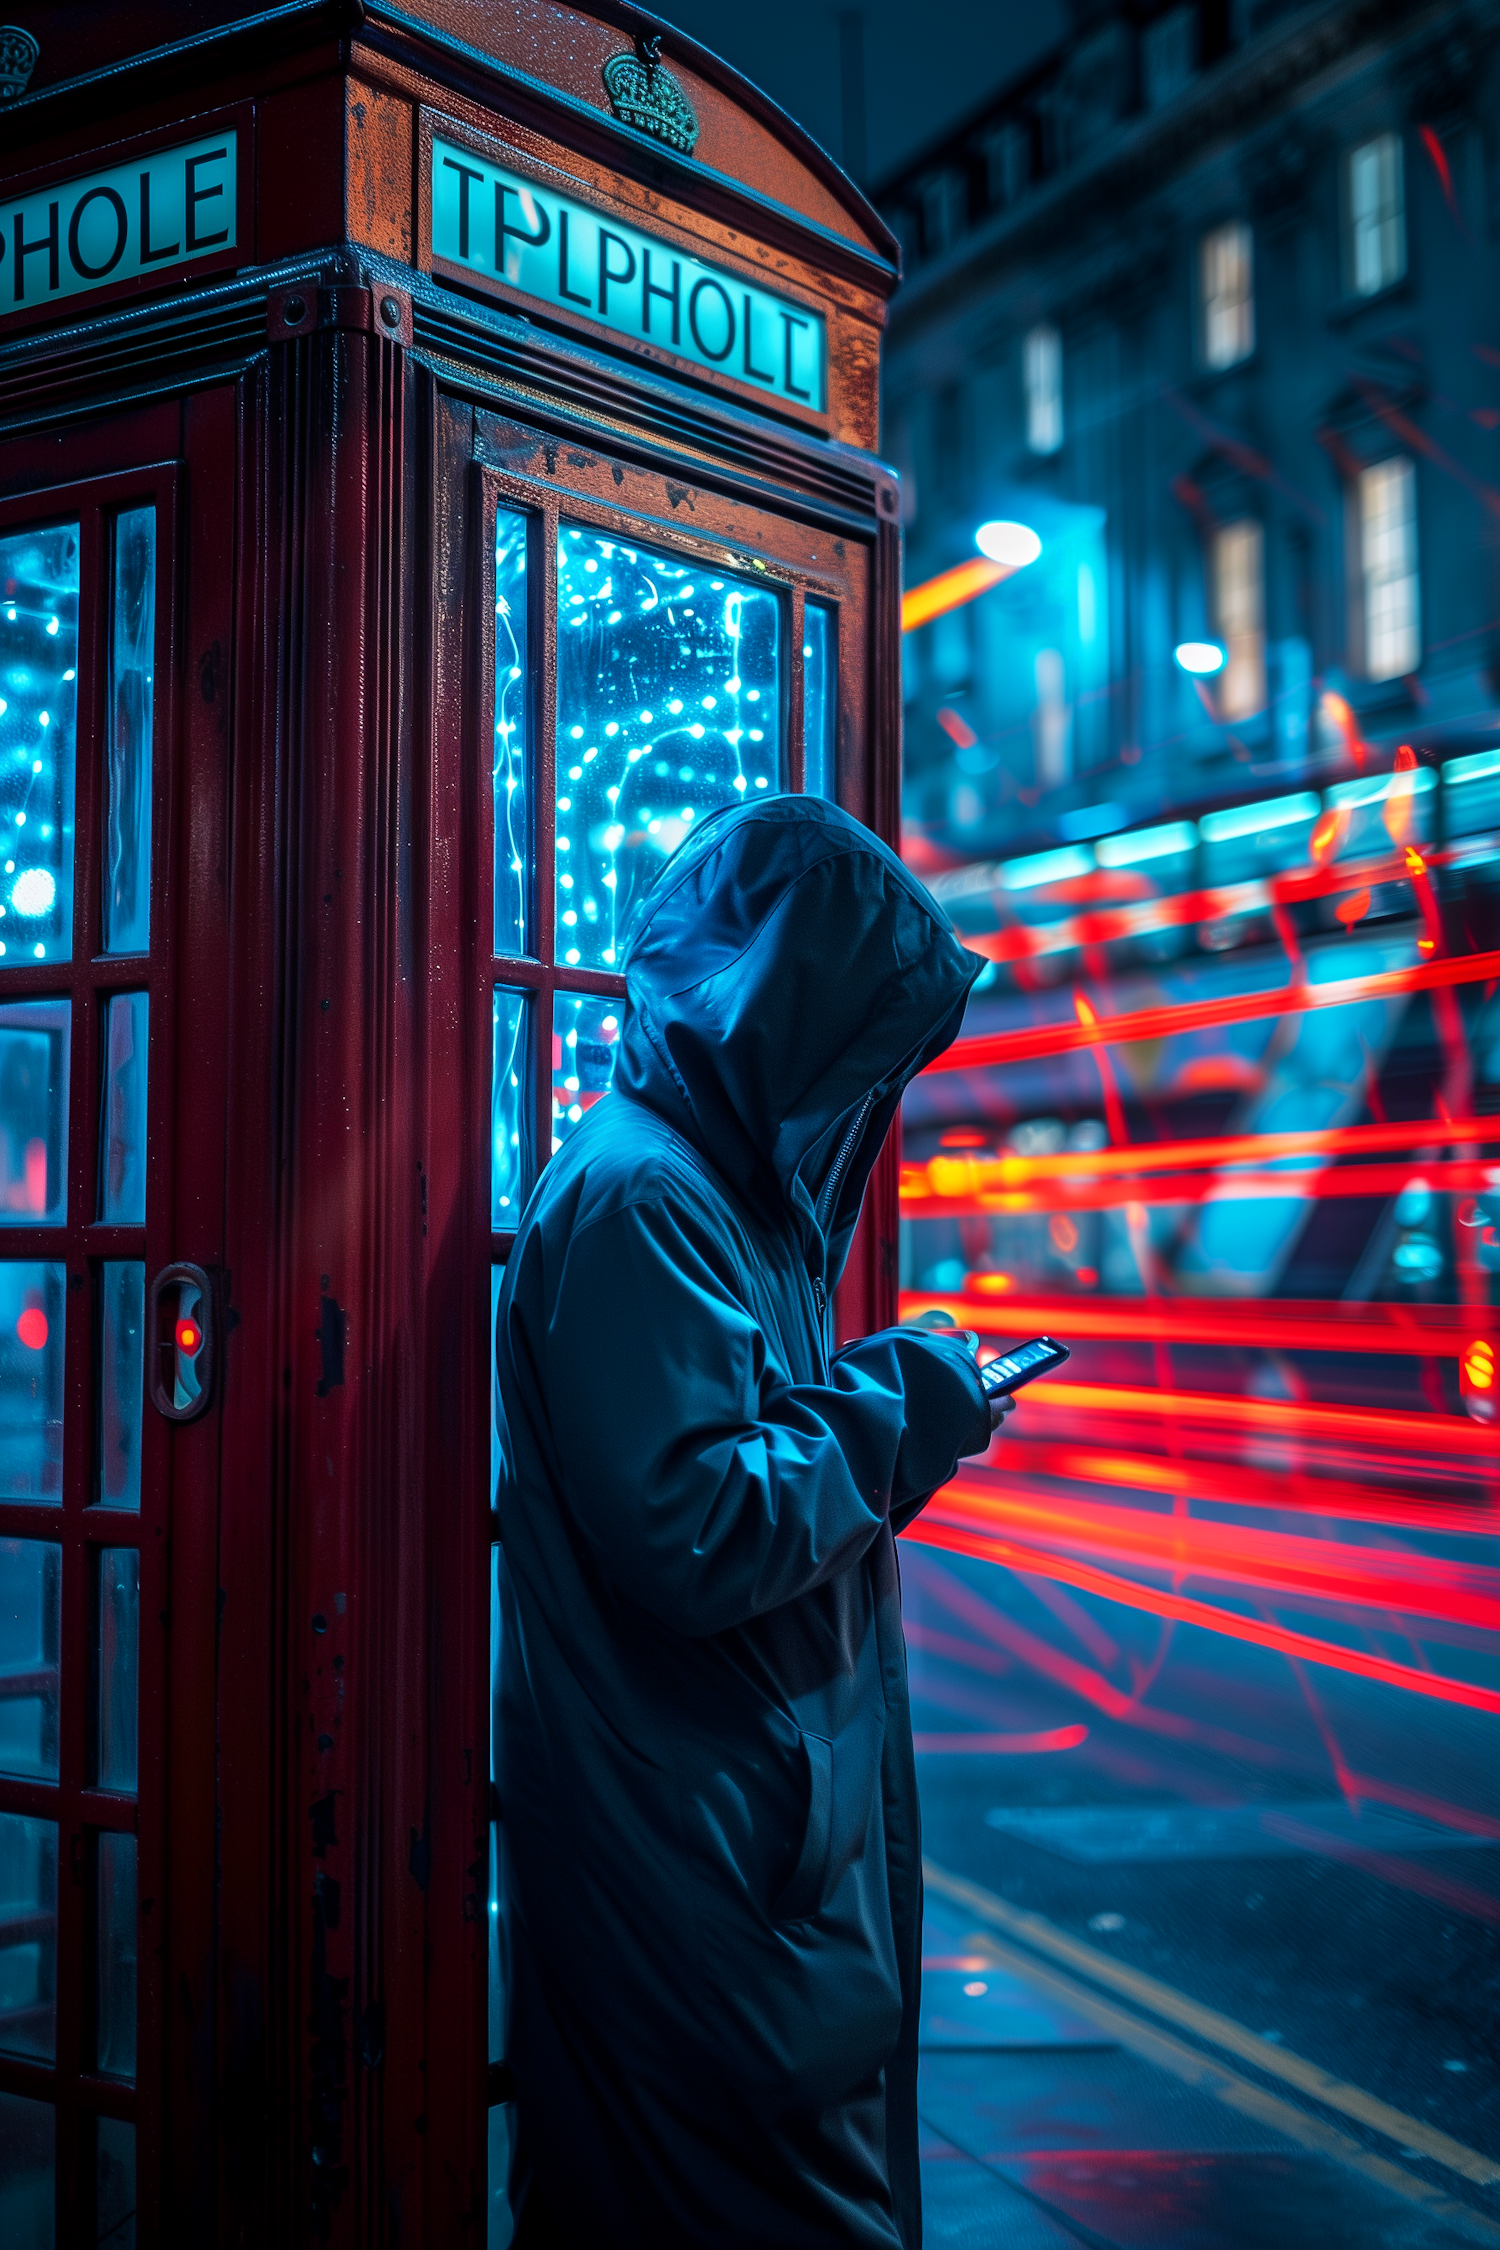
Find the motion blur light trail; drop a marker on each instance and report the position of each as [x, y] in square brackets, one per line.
[933, 1532]
[1406, 1331]
[1202, 1015]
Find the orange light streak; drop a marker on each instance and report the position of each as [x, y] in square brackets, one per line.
[1205, 1015]
[950, 590]
[1400, 1138]
[1463, 1177]
[986, 1175]
[1281, 1324]
[1281, 1562]
[1261, 1633]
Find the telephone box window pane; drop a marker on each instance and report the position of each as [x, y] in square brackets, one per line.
[118, 1663]
[585, 1039]
[668, 706]
[34, 1054]
[122, 1150]
[820, 660]
[28, 2198]
[512, 738]
[28, 1937]
[38, 741]
[114, 2184]
[30, 1614]
[114, 2051]
[31, 1381]
[510, 1107]
[122, 1330]
[132, 657]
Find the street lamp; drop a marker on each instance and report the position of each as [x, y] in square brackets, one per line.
[1013, 544]
[1201, 658]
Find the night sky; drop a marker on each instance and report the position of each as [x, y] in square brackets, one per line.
[924, 68]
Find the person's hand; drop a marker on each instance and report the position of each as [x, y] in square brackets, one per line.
[948, 1326]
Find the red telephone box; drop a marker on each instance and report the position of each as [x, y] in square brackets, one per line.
[436, 467]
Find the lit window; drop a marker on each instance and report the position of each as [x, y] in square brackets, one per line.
[1386, 504]
[1044, 404]
[1227, 277]
[1377, 215]
[1239, 617]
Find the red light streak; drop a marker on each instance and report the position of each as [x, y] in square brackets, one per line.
[1403, 1137]
[1031, 1044]
[1462, 1177]
[1277, 1324]
[1005, 1745]
[1232, 1554]
[1269, 1418]
[986, 1547]
[1105, 925]
[1230, 1485]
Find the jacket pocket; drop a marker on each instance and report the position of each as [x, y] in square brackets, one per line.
[803, 1895]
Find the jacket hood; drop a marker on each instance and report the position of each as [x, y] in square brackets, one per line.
[786, 977]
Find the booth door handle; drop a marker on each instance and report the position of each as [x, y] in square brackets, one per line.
[180, 1342]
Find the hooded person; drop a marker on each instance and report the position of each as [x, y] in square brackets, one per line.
[703, 1741]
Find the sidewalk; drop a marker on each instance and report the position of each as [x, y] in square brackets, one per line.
[1052, 2117]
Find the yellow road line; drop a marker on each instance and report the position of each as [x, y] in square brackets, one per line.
[1194, 2068]
[1222, 2031]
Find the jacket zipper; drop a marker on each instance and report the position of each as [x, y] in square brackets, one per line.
[846, 1149]
[824, 1203]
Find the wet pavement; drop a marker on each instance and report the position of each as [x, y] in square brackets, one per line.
[1055, 2113]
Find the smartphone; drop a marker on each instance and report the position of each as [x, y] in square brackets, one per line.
[1023, 1365]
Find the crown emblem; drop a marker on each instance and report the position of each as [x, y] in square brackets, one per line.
[18, 54]
[643, 93]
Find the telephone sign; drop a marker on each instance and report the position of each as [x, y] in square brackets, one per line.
[154, 215]
[502, 227]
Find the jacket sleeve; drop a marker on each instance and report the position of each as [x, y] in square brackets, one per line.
[916, 1370]
[710, 1489]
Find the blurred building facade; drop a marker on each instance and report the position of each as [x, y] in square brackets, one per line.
[1204, 299]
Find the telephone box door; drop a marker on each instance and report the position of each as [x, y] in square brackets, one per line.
[112, 1312]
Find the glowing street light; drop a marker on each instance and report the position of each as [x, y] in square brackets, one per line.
[1014, 544]
[1201, 658]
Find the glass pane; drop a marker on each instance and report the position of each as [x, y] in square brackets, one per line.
[118, 1667]
[28, 1936]
[31, 1381]
[114, 2184]
[668, 705]
[115, 2036]
[38, 741]
[28, 2200]
[122, 1332]
[30, 1607]
[512, 738]
[497, 1275]
[132, 653]
[510, 1110]
[585, 1033]
[122, 1132]
[820, 659]
[35, 1043]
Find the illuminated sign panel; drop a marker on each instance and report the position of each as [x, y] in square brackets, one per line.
[591, 265]
[154, 215]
